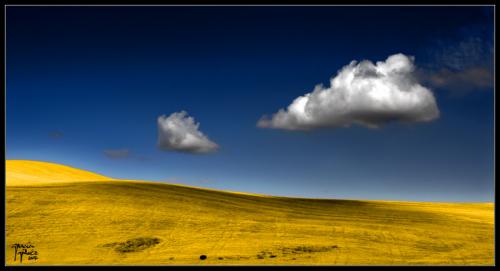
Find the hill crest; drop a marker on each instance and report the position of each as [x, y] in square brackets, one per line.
[29, 172]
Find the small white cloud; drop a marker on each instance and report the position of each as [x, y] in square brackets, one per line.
[179, 132]
[363, 93]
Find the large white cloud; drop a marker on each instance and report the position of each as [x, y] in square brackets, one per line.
[179, 132]
[362, 93]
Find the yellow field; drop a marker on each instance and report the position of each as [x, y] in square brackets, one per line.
[76, 217]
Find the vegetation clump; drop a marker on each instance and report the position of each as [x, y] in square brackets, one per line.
[134, 245]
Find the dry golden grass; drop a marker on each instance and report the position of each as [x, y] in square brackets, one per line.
[26, 173]
[79, 220]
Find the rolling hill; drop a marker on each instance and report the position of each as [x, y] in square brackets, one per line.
[74, 217]
[26, 173]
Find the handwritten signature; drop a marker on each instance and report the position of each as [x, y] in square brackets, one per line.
[24, 249]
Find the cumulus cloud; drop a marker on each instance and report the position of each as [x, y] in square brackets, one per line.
[117, 154]
[362, 93]
[179, 132]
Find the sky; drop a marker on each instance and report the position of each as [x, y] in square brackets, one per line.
[388, 103]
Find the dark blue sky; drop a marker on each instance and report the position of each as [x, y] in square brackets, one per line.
[99, 77]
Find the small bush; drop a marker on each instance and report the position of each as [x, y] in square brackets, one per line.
[134, 245]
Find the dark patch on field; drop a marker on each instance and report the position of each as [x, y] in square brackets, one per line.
[306, 249]
[266, 254]
[134, 245]
[294, 251]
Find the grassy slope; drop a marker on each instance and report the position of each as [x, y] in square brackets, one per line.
[71, 223]
[26, 173]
